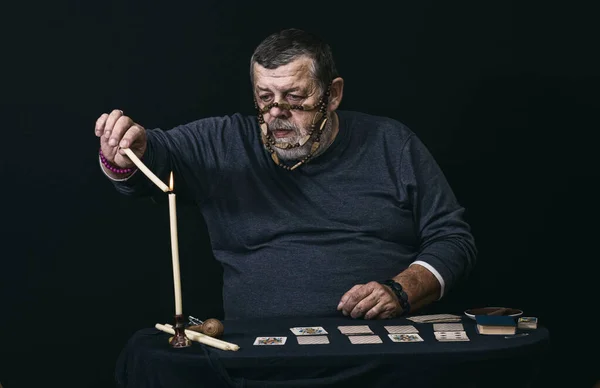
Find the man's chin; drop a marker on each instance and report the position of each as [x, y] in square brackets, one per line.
[292, 154]
[290, 140]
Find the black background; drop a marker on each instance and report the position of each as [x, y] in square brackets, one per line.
[503, 93]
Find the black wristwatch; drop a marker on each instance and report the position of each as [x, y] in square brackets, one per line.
[399, 291]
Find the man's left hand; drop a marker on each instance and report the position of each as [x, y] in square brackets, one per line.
[371, 301]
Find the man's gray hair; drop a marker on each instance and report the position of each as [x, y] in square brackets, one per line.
[285, 46]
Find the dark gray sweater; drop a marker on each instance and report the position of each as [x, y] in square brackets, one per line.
[291, 243]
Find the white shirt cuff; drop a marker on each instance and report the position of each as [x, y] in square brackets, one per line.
[435, 273]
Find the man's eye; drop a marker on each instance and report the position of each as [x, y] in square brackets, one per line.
[265, 97]
[295, 97]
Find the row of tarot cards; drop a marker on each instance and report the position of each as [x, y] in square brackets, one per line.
[362, 334]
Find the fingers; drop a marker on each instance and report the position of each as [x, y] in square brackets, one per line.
[347, 298]
[120, 126]
[383, 310]
[117, 131]
[133, 133]
[365, 305]
[388, 306]
[105, 123]
[104, 126]
[354, 296]
[111, 121]
[371, 301]
[99, 129]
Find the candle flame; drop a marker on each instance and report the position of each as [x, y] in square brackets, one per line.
[171, 181]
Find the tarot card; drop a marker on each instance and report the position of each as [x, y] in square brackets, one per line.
[409, 337]
[451, 336]
[403, 329]
[313, 330]
[355, 329]
[365, 339]
[434, 318]
[448, 327]
[312, 340]
[270, 340]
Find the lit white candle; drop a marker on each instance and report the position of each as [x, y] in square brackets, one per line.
[174, 247]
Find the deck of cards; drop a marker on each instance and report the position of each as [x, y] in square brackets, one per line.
[403, 333]
[527, 323]
[312, 330]
[402, 329]
[313, 340]
[365, 339]
[450, 332]
[448, 327]
[360, 334]
[310, 335]
[451, 336]
[355, 330]
[435, 318]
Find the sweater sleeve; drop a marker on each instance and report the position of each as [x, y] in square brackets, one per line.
[447, 247]
[196, 153]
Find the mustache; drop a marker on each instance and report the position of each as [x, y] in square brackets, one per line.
[282, 124]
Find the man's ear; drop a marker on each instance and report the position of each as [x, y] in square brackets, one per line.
[336, 94]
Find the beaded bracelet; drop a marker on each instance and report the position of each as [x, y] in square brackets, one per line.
[112, 167]
[400, 294]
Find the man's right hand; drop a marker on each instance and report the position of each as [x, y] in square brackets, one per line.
[117, 131]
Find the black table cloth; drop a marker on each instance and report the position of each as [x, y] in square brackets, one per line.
[148, 361]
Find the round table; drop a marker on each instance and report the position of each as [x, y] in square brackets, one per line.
[148, 361]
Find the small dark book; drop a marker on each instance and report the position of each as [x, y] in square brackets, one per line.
[496, 324]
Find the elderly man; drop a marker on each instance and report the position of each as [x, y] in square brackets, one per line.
[311, 210]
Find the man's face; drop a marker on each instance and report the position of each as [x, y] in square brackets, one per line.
[293, 84]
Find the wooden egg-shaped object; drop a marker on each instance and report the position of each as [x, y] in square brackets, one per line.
[213, 328]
